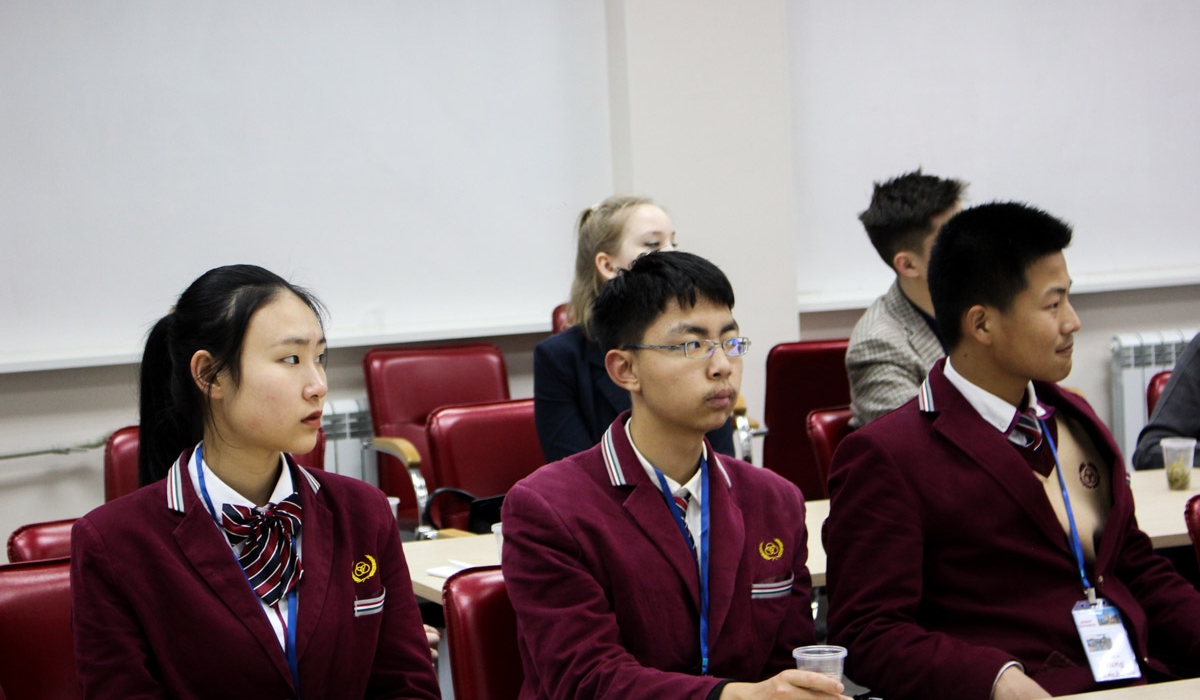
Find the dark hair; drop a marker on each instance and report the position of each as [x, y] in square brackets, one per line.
[632, 301]
[901, 211]
[212, 314]
[981, 256]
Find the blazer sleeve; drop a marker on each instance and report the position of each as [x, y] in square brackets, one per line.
[1171, 604]
[403, 665]
[568, 631]
[883, 376]
[561, 425]
[874, 540]
[1177, 413]
[113, 658]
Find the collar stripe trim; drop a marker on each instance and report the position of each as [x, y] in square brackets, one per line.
[612, 465]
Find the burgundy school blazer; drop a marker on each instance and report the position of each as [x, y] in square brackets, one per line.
[161, 609]
[606, 590]
[946, 561]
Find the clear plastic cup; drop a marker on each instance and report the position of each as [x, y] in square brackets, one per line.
[1178, 453]
[825, 659]
[499, 540]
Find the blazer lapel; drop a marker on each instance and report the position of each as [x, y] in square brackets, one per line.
[646, 507]
[920, 337]
[727, 537]
[210, 555]
[959, 423]
[316, 552]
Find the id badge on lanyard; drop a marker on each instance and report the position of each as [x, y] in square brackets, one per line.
[1101, 631]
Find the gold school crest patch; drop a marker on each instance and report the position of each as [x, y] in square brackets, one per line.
[771, 550]
[364, 570]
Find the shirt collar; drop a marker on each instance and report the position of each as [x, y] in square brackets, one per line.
[999, 413]
[693, 484]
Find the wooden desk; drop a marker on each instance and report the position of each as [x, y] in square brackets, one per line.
[480, 550]
[1160, 510]
[1175, 690]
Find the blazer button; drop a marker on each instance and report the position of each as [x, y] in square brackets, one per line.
[1100, 580]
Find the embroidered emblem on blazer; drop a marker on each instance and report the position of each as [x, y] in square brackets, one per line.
[771, 550]
[364, 570]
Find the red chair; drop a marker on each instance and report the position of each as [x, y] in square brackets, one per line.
[560, 319]
[481, 632]
[483, 449]
[826, 428]
[801, 377]
[404, 386]
[121, 461]
[1155, 389]
[37, 651]
[1191, 515]
[48, 540]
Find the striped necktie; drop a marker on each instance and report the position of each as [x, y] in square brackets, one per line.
[1027, 430]
[269, 556]
[682, 502]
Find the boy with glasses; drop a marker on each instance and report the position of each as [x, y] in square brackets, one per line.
[649, 566]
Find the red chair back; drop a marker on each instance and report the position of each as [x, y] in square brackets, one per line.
[1191, 515]
[121, 461]
[801, 377]
[1155, 389]
[48, 540]
[404, 386]
[37, 651]
[483, 449]
[481, 631]
[826, 428]
[560, 319]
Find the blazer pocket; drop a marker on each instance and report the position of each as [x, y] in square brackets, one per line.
[772, 589]
[369, 606]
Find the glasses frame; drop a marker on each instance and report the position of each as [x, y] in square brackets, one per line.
[707, 347]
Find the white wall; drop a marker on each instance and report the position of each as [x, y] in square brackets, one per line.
[700, 116]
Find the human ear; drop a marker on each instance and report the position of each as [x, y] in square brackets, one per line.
[904, 264]
[201, 368]
[604, 263]
[622, 369]
[975, 324]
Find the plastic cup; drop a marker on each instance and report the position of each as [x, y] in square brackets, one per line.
[825, 659]
[499, 540]
[395, 503]
[1178, 453]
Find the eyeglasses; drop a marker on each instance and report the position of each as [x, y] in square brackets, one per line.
[701, 349]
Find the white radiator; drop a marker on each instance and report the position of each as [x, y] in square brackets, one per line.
[1136, 357]
[347, 424]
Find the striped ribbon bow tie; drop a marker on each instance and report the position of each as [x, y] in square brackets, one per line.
[1026, 431]
[269, 556]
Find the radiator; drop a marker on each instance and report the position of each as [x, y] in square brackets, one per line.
[347, 424]
[1136, 357]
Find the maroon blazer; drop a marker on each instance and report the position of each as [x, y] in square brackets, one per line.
[161, 609]
[607, 593]
[946, 561]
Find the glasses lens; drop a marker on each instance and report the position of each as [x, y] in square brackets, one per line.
[699, 348]
[736, 347]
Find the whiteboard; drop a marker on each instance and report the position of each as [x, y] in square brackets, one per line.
[419, 165]
[1086, 108]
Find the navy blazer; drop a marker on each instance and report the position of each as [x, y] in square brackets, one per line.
[946, 560]
[161, 608]
[606, 591]
[574, 399]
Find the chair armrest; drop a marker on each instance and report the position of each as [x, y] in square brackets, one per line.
[407, 453]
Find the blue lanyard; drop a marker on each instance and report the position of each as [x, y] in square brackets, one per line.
[293, 664]
[1076, 543]
[678, 515]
